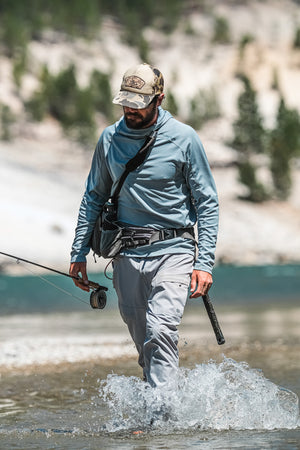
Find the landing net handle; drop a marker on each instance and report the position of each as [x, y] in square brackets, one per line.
[213, 319]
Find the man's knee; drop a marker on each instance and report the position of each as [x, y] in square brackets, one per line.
[160, 331]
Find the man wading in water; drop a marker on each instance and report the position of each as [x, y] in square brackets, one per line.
[170, 191]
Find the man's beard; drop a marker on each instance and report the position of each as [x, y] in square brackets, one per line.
[136, 120]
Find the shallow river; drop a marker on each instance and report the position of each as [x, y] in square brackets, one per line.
[69, 378]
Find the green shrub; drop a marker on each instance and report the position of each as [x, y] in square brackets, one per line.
[221, 31]
[82, 123]
[37, 106]
[245, 40]
[7, 120]
[203, 107]
[297, 39]
[61, 91]
[101, 93]
[19, 66]
[188, 28]
[247, 176]
[61, 97]
[170, 103]
[14, 34]
[143, 49]
[275, 80]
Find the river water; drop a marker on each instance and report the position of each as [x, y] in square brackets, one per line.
[70, 380]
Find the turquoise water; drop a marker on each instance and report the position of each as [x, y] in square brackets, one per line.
[232, 286]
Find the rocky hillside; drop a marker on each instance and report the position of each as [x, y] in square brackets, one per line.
[42, 173]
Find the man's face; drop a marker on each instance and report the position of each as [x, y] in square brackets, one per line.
[142, 118]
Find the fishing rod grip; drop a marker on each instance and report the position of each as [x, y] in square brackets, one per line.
[91, 284]
[213, 319]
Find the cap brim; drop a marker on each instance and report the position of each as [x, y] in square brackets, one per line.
[133, 100]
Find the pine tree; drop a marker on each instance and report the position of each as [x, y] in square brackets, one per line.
[284, 145]
[248, 129]
[249, 136]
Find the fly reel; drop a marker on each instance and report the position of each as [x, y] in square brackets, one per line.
[98, 298]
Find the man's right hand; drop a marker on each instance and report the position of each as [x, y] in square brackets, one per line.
[78, 269]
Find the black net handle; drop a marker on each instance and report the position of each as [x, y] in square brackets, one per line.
[213, 319]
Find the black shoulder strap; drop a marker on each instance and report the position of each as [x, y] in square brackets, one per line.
[134, 163]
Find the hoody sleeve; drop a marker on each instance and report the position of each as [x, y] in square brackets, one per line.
[205, 199]
[97, 192]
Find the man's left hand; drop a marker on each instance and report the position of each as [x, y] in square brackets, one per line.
[200, 283]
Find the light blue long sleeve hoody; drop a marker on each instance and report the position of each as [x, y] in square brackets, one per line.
[173, 188]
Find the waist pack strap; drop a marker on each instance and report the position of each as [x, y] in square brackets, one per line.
[136, 236]
[171, 233]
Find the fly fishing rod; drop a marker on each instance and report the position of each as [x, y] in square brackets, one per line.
[213, 319]
[98, 294]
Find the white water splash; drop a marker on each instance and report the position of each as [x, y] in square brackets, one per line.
[224, 396]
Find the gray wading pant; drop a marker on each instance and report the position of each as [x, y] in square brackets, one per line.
[152, 294]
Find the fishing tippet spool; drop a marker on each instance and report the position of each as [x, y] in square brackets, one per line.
[98, 299]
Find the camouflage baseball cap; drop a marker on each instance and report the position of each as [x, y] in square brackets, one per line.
[139, 86]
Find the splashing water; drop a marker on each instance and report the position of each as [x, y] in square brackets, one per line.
[224, 396]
